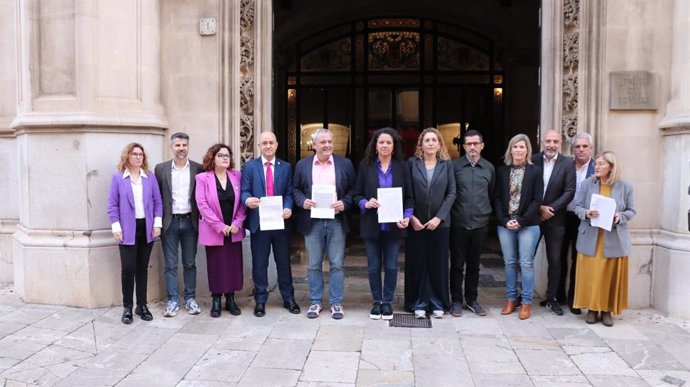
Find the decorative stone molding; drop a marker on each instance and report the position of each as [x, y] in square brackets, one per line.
[247, 44]
[247, 15]
[571, 62]
[247, 51]
[247, 95]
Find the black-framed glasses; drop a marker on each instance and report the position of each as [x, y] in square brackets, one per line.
[223, 155]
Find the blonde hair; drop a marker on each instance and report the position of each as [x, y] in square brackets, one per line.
[508, 157]
[442, 152]
[615, 173]
[124, 157]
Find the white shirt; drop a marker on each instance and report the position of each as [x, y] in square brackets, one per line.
[180, 189]
[138, 195]
[580, 176]
[548, 169]
[137, 192]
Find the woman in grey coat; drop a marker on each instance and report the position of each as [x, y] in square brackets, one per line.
[601, 280]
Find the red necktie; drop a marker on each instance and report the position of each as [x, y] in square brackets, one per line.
[269, 179]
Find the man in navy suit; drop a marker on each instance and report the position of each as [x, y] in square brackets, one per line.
[559, 190]
[324, 236]
[259, 177]
[581, 148]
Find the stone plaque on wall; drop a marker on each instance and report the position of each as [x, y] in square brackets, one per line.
[633, 90]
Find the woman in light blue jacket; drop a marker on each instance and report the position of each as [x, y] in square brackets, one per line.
[601, 280]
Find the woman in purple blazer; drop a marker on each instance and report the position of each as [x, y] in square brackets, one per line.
[135, 211]
[220, 225]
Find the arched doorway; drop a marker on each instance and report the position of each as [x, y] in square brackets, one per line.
[377, 69]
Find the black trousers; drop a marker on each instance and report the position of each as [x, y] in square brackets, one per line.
[569, 242]
[135, 264]
[553, 241]
[465, 250]
[426, 270]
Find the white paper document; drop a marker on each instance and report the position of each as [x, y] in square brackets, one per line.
[390, 204]
[324, 196]
[606, 207]
[271, 213]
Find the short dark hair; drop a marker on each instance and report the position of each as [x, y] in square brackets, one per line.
[179, 135]
[471, 133]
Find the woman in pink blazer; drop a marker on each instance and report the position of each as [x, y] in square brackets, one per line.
[220, 225]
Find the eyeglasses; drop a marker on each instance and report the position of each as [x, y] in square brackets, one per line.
[473, 143]
[136, 154]
[223, 155]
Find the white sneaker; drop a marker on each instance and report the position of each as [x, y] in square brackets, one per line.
[314, 311]
[419, 314]
[171, 309]
[337, 312]
[437, 314]
[192, 306]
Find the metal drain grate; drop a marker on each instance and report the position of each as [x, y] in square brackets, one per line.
[409, 321]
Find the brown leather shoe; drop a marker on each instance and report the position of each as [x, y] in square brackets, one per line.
[525, 311]
[509, 307]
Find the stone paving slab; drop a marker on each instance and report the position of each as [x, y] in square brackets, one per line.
[64, 346]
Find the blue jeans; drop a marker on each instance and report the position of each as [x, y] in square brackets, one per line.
[386, 249]
[180, 233]
[326, 236]
[519, 246]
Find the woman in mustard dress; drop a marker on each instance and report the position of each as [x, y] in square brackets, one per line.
[601, 280]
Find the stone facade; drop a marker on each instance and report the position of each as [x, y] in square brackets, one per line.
[79, 79]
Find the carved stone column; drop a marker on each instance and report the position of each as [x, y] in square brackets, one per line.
[89, 85]
[255, 73]
[560, 74]
[571, 66]
[9, 189]
[672, 251]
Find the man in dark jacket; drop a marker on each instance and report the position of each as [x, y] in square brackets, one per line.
[474, 181]
[559, 190]
[180, 223]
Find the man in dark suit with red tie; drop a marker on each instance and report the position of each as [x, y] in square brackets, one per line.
[269, 176]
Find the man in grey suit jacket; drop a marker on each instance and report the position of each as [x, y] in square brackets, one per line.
[180, 222]
[559, 190]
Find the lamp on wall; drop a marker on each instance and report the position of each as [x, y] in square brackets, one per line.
[457, 140]
[498, 88]
[498, 94]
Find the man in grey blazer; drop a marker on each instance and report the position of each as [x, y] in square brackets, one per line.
[180, 222]
[559, 190]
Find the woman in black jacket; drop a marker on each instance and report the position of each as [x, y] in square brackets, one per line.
[382, 167]
[519, 190]
[426, 253]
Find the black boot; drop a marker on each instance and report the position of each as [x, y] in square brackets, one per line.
[231, 305]
[215, 307]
